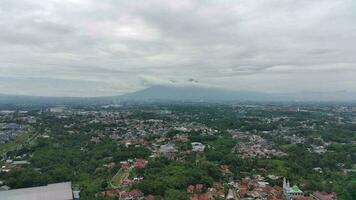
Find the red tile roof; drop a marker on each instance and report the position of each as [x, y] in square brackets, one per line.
[242, 191]
[245, 181]
[140, 163]
[136, 193]
[199, 197]
[150, 197]
[324, 195]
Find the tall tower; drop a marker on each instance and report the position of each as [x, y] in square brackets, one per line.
[286, 189]
[288, 185]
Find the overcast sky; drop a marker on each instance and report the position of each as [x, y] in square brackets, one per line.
[111, 47]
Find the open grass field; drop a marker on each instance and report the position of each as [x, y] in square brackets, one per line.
[117, 179]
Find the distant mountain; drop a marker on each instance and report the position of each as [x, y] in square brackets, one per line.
[179, 94]
[170, 93]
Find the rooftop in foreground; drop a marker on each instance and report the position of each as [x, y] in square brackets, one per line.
[57, 191]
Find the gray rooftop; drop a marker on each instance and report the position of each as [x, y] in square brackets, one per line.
[58, 191]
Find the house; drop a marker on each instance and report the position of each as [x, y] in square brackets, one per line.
[197, 147]
[168, 151]
[17, 163]
[181, 138]
[195, 189]
[323, 196]
[135, 194]
[219, 189]
[95, 140]
[199, 187]
[242, 192]
[200, 197]
[110, 193]
[124, 165]
[319, 149]
[56, 109]
[190, 189]
[140, 163]
[150, 197]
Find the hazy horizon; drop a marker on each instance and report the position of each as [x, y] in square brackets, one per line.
[106, 48]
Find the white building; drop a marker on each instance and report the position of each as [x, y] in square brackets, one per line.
[197, 146]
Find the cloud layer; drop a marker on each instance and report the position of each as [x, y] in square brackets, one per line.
[110, 47]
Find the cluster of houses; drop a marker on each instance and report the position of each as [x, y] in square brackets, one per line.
[123, 190]
[170, 151]
[245, 189]
[196, 192]
[134, 194]
[294, 139]
[317, 149]
[252, 145]
[9, 131]
[13, 124]
[10, 165]
[248, 188]
[254, 188]
[123, 126]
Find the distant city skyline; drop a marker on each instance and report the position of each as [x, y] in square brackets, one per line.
[107, 48]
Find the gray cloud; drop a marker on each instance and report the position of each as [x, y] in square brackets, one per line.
[110, 47]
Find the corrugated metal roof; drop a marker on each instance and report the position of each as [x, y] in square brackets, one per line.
[57, 191]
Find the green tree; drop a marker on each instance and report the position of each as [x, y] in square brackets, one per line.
[175, 195]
